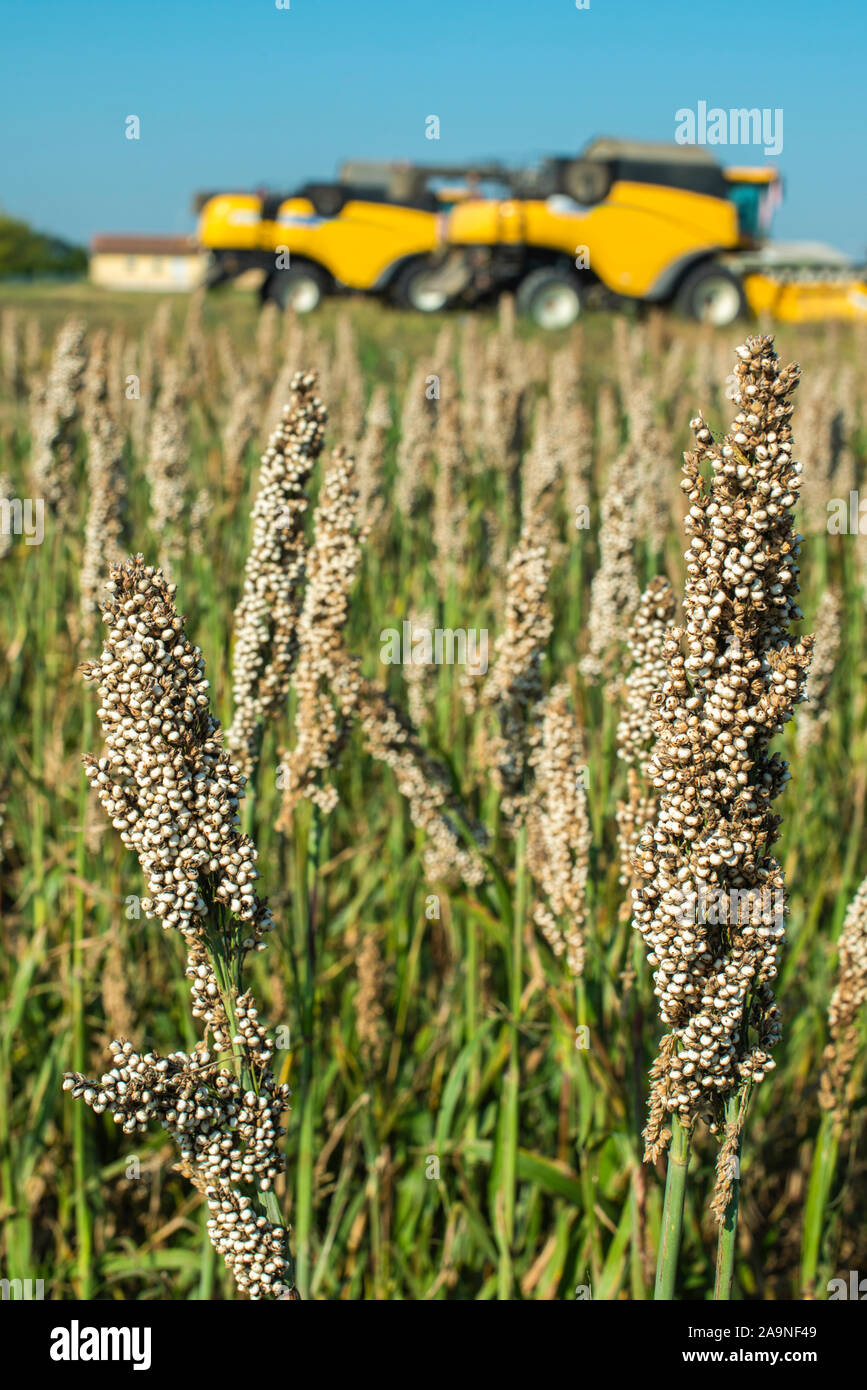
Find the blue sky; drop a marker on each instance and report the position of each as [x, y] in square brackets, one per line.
[240, 93]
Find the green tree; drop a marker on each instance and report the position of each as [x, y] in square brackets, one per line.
[24, 252]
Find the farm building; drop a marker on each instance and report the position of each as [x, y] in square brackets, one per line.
[129, 262]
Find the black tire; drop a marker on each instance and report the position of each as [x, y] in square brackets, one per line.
[711, 294]
[303, 287]
[550, 297]
[588, 181]
[408, 291]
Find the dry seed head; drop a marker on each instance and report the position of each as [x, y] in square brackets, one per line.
[514, 684]
[267, 617]
[223, 1134]
[632, 815]
[368, 999]
[652, 464]
[607, 422]
[239, 430]
[559, 837]
[820, 435]
[470, 363]
[325, 677]
[541, 464]
[734, 676]
[614, 591]
[390, 738]
[816, 712]
[449, 509]
[165, 781]
[371, 452]
[267, 337]
[570, 429]
[106, 480]
[167, 460]
[417, 674]
[55, 418]
[417, 421]
[170, 790]
[646, 642]
[347, 381]
[502, 403]
[847, 1001]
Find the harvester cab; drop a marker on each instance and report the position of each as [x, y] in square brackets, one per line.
[756, 194]
[372, 230]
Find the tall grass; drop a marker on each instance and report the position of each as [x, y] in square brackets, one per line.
[491, 1150]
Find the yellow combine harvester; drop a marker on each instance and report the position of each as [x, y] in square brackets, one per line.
[639, 222]
[648, 223]
[372, 230]
[626, 221]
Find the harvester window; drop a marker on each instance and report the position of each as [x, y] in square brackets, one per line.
[747, 199]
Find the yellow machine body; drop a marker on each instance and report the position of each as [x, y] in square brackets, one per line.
[356, 247]
[631, 240]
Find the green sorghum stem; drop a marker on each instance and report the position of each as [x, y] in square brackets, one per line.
[821, 1177]
[83, 1220]
[672, 1212]
[307, 863]
[512, 1086]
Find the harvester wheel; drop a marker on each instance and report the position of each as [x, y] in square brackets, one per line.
[414, 289]
[711, 294]
[298, 287]
[550, 297]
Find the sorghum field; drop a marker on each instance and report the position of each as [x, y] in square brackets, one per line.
[447, 1002]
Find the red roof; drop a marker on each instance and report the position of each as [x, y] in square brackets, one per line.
[144, 245]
